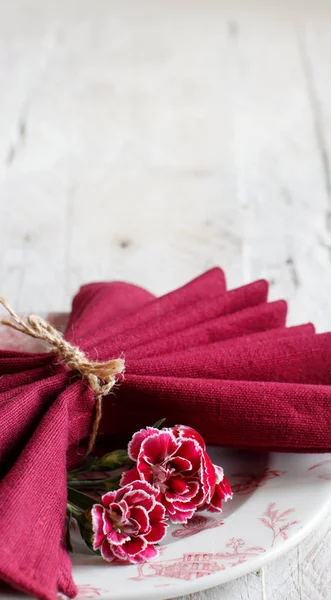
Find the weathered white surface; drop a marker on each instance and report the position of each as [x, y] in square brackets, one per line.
[151, 140]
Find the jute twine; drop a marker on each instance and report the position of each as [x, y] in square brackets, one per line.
[101, 376]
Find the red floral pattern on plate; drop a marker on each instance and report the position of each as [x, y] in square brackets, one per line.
[199, 564]
[277, 521]
[188, 566]
[327, 475]
[239, 551]
[195, 525]
[252, 481]
[88, 591]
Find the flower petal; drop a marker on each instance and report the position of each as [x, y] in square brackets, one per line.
[183, 431]
[108, 498]
[219, 473]
[157, 533]
[118, 511]
[215, 504]
[182, 489]
[117, 537]
[191, 451]
[134, 546]
[107, 522]
[136, 496]
[144, 470]
[131, 527]
[221, 493]
[178, 485]
[129, 476]
[181, 464]
[158, 447]
[225, 488]
[146, 487]
[137, 440]
[140, 514]
[190, 495]
[157, 514]
[142, 556]
[119, 552]
[184, 506]
[158, 525]
[97, 525]
[107, 552]
[147, 494]
[208, 477]
[179, 516]
[148, 554]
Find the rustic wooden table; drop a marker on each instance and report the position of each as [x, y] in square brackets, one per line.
[151, 140]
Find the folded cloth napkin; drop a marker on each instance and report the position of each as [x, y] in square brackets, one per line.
[222, 362]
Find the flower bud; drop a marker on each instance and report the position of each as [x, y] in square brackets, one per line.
[111, 461]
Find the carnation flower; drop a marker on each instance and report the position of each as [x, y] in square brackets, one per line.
[222, 492]
[175, 462]
[128, 523]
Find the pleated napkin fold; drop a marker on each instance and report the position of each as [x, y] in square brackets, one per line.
[221, 361]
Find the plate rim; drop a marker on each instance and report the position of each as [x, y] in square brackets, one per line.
[183, 587]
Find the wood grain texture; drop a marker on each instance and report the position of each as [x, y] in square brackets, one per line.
[149, 141]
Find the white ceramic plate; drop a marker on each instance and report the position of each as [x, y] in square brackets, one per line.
[278, 500]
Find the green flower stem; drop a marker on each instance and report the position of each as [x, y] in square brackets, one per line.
[108, 484]
[74, 472]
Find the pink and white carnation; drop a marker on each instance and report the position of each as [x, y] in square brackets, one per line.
[128, 523]
[222, 492]
[175, 462]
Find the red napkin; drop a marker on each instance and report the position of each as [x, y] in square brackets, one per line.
[223, 362]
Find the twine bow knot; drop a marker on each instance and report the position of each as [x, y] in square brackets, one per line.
[101, 376]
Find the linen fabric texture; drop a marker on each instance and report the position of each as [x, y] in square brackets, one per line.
[223, 362]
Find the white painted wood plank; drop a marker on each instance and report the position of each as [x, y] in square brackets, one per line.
[303, 573]
[151, 146]
[281, 184]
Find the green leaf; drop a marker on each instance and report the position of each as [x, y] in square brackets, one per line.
[85, 528]
[68, 538]
[80, 499]
[87, 536]
[158, 423]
